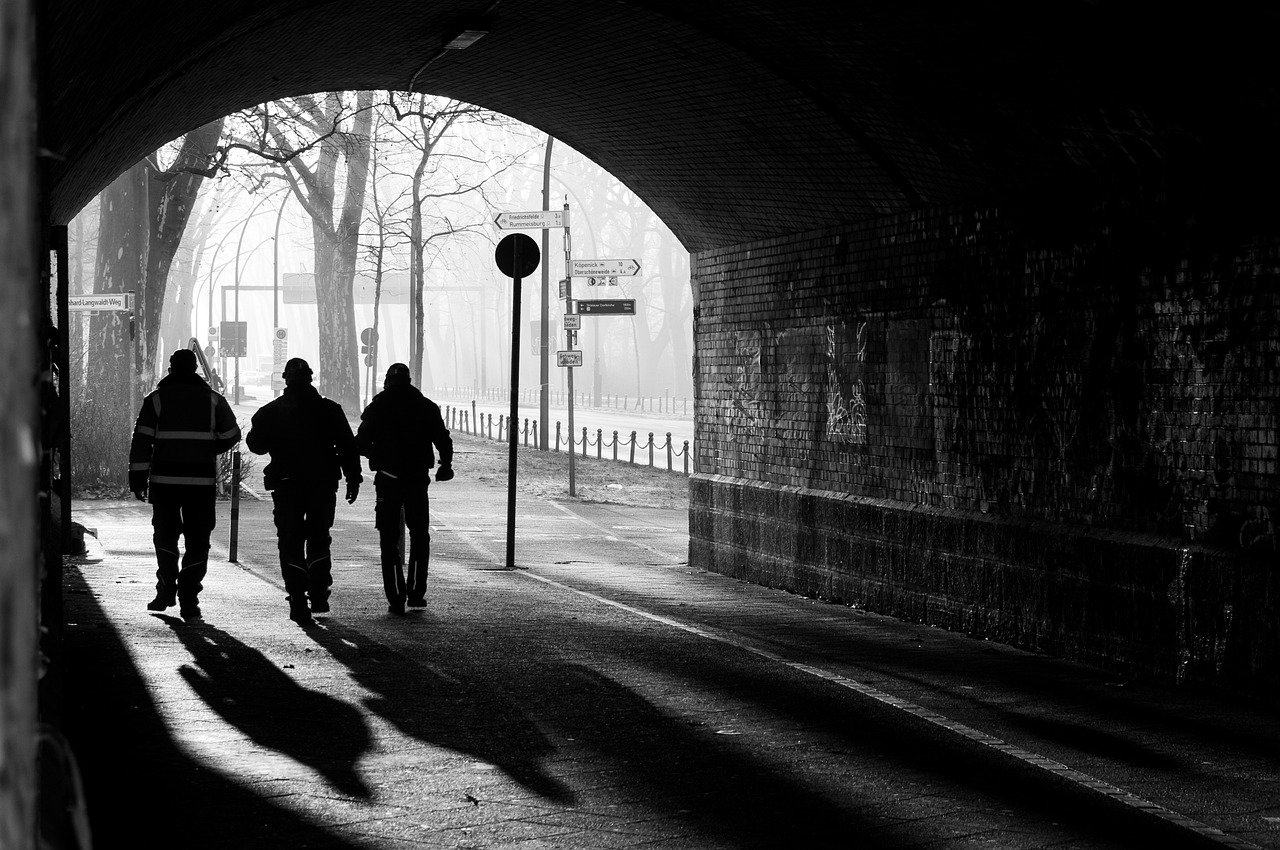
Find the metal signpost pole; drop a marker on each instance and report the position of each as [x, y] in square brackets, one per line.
[133, 352]
[514, 412]
[544, 370]
[517, 256]
[569, 335]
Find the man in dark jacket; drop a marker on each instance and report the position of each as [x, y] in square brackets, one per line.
[181, 429]
[310, 442]
[397, 432]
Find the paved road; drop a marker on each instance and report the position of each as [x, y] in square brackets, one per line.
[609, 694]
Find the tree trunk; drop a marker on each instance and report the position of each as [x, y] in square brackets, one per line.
[106, 419]
[171, 197]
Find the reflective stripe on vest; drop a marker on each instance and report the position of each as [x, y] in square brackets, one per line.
[188, 480]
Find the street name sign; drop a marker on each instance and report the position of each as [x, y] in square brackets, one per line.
[537, 220]
[609, 307]
[568, 358]
[607, 268]
[113, 301]
[572, 322]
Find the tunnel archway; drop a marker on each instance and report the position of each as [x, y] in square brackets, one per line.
[966, 277]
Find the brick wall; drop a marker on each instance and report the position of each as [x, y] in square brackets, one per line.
[1059, 433]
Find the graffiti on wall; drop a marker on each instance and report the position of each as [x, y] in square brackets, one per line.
[745, 408]
[846, 362]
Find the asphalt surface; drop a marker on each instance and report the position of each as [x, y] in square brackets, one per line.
[606, 693]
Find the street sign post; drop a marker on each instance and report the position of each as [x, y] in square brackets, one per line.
[537, 220]
[607, 268]
[607, 307]
[114, 302]
[279, 356]
[517, 256]
[568, 358]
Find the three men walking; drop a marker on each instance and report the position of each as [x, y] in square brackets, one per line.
[184, 425]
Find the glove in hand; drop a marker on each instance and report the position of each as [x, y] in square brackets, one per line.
[444, 473]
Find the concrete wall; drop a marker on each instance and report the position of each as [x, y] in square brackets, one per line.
[1057, 432]
[18, 559]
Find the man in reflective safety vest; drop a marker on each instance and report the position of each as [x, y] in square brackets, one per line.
[181, 429]
[310, 443]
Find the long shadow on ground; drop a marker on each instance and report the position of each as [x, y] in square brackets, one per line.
[142, 790]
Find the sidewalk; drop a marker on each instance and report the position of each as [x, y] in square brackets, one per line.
[607, 694]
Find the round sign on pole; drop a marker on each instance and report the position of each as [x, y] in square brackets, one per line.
[505, 255]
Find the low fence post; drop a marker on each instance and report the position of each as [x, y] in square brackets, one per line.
[235, 506]
[535, 432]
[633, 446]
[557, 435]
[526, 430]
[473, 414]
[651, 448]
[615, 445]
[500, 418]
[584, 440]
[599, 444]
[490, 426]
[668, 451]
[686, 457]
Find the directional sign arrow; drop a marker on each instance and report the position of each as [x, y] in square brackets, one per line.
[597, 268]
[536, 220]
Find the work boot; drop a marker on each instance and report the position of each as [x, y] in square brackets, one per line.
[396, 606]
[320, 604]
[299, 613]
[417, 601]
[190, 611]
[165, 598]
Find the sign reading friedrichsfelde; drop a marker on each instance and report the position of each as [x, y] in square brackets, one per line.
[537, 220]
[110, 301]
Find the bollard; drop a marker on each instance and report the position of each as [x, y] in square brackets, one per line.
[686, 457]
[535, 432]
[615, 445]
[668, 451]
[584, 440]
[490, 426]
[235, 506]
[651, 448]
[633, 446]
[599, 444]
[473, 415]
[557, 435]
[526, 430]
[500, 418]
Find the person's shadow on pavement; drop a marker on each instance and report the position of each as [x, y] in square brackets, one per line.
[430, 703]
[262, 701]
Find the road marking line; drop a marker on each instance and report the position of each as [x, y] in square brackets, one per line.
[1070, 774]
[608, 533]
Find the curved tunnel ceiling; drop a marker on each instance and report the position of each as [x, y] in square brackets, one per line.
[734, 119]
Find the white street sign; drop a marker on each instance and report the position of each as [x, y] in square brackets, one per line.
[537, 220]
[115, 301]
[564, 289]
[568, 358]
[572, 322]
[596, 268]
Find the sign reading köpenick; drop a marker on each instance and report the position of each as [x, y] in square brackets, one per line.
[605, 268]
[607, 307]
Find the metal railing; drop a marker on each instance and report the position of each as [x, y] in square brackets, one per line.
[483, 425]
[665, 403]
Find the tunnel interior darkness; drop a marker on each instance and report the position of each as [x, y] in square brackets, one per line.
[733, 120]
